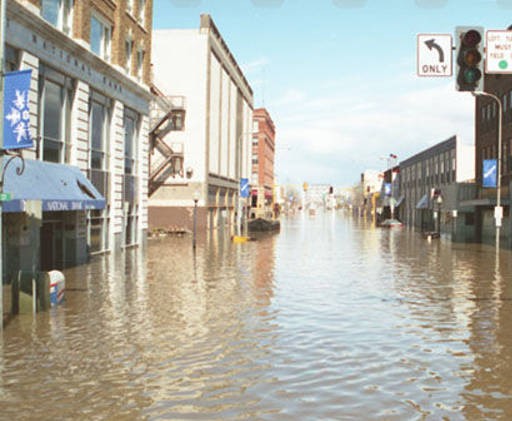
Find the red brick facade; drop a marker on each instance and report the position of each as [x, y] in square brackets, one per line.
[263, 151]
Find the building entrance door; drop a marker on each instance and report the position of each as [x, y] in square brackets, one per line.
[52, 250]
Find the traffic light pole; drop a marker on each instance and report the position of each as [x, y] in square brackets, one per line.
[498, 212]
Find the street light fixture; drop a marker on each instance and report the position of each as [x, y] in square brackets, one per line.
[498, 211]
[196, 199]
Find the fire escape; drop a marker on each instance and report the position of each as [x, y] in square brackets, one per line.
[167, 114]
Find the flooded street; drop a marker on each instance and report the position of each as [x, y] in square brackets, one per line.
[329, 319]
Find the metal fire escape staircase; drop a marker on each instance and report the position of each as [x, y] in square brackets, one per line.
[166, 112]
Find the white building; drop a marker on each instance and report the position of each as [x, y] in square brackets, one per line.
[216, 135]
[89, 105]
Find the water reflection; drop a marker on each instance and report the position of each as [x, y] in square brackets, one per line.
[331, 318]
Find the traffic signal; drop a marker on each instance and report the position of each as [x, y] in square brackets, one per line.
[435, 193]
[469, 58]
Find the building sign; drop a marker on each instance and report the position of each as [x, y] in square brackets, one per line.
[16, 110]
[387, 189]
[498, 52]
[489, 173]
[72, 205]
[434, 55]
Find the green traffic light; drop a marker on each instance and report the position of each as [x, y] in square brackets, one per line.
[471, 75]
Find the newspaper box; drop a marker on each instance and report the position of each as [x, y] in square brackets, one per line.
[57, 287]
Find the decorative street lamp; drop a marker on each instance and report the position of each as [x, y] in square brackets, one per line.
[196, 199]
[5, 196]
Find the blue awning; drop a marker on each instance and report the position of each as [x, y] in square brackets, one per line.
[60, 187]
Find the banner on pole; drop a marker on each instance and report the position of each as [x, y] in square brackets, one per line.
[489, 173]
[16, 110]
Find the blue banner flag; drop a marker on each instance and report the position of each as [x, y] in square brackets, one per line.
[489, 173]
[16, 110]
[244, 187]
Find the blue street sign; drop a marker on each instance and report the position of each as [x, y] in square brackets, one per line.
[16, 110]
[489, 173]
[244, 187]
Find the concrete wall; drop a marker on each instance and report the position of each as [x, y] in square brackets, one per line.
[217, 135]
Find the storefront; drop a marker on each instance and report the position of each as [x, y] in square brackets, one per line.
[45, 222]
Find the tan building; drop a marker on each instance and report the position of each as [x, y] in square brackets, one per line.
[89, 105]
[207, 151]
[262, 169]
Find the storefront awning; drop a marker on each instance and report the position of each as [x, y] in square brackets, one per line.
[423, 202]
[59, 187]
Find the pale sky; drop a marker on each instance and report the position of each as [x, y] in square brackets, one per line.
[339, 76]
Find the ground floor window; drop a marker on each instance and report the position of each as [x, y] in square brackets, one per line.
[131, 224]
[98, 230]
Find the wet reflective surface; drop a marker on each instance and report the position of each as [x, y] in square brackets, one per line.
[329, 319]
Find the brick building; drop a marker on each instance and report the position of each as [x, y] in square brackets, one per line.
[263, 153]
[486, 147]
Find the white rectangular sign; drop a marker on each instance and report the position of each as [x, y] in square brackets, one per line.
[498, 51]
[434, 55]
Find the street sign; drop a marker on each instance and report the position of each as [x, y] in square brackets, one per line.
[244, 187]
[5, 197]
[434, 55]
[498, 52]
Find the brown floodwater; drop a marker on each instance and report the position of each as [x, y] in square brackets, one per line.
[328, 319]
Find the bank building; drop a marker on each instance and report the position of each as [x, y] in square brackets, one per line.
[83, 190]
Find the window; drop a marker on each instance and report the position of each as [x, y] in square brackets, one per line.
[99, 127]
[11, 59]
[140, 63]
[504, 102]
[142, 12]
[177, 120]
[130, 141]
[128, 48]
[59, 13]
[101, 34]
[130, 122]
[129, 6]
[56, 95]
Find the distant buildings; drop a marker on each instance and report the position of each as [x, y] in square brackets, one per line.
[196, 64]
[433, 184]
[263, 153]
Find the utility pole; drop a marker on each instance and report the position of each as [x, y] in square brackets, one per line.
[2, 72]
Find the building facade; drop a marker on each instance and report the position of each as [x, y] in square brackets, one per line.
[89, 106]
[434, 184]
[371, 182]
[262, 171]
[486, 145]
[215, 139]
